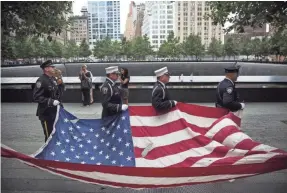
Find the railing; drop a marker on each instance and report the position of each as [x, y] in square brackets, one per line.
[146, 82]
[152, 79]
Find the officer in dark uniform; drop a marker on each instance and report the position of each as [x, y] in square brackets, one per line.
[226, 94]
[45, 94]
[160, 97]
[111, 96]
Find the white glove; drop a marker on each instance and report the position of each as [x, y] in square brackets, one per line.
[175, 102]
[124, 107]
[242, 105]
[56, 102]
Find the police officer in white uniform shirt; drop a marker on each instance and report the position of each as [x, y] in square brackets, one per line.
[160, 97]
[226, 94]
[111, 97]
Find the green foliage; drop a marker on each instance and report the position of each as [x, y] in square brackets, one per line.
[192, 46]
[103, 48]
[247, 48]
[215, 48]
[170, 47]
[232, 48]
[71, 50]
[33, 47]
[8, 46]
[23, 19]
[278, 44]
[249, 13]
[84, 50]
[137, 49]
[57, 47]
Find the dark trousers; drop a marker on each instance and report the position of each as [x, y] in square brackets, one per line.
[87, 96]
[47, 127]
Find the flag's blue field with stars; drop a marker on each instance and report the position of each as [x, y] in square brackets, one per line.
[95, 141]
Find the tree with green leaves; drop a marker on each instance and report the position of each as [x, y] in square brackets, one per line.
[103, 48]
[84, 50]
[141, 48]
[256, 48]
[192, 46]
[71, 50]
[278, 44]
[247, 48]
[48, 51]
[117, 48]
[8, 48]
[32, 18]
[58, 49]
[170, 47]
[215, 48]
[125, 48]
[232, 48]
[265, 47]
[249, 13]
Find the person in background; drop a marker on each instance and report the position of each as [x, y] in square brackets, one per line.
[160, 97]
[125, 84]
[61, 86]
[86, 85]
[226, 94]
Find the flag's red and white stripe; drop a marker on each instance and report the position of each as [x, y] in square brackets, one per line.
[193, 136]
[189, 145]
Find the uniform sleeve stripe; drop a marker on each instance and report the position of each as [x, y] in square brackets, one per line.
[163, 96]
[154, 90]
[111, 89]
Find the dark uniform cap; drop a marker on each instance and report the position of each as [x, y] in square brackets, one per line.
[46, 64]
[232, 69]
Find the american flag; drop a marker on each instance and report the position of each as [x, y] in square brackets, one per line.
[141, 148]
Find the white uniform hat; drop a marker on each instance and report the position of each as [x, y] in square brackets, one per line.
[161, 72]
[112, 69]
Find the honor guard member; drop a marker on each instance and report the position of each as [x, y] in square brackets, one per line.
[226, 94]
[111, 96]
[160, 96]
[45, 94]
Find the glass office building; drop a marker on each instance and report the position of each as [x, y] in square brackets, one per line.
[104, 20]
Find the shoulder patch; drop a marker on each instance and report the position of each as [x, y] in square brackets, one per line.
[105, 90]
[38, 84]
[229, 90]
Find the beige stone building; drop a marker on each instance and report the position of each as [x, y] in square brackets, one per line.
[189, 19]
[134, 20]
[79, 29]
[131, 22]
[139, 20]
